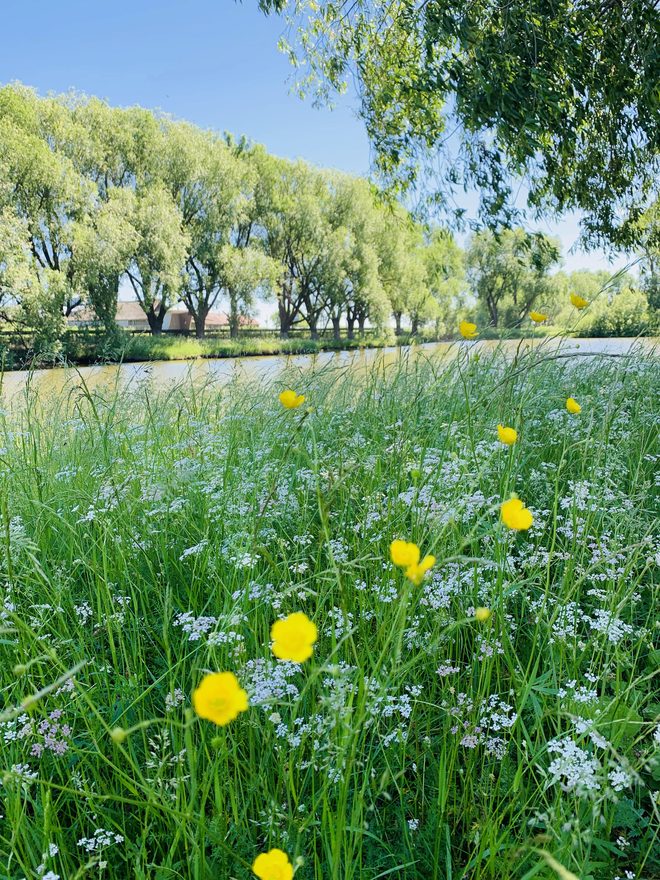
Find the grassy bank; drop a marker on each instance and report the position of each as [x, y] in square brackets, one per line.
[150, 539]
[150, 348]
[85, 348]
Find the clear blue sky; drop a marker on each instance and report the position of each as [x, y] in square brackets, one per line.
[213, 62]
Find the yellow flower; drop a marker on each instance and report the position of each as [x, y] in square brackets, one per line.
[416, 572]
[573, 406]
[515, 515]
[538, 317]
[291, 400]
[273, 865]
[468, 330]
[406, 555]
[508, 436]
[294, 637]
[220, 698]
[579, 301]
[482, 614]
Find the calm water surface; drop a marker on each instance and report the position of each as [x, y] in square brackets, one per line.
[167, 374]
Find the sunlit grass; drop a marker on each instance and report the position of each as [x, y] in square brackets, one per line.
[173, 348]
[150, 538]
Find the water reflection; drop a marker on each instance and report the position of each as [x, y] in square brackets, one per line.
[167, 374]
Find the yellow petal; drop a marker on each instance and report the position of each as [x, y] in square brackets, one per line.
[508, 436]
[290, 399]
[404, 553]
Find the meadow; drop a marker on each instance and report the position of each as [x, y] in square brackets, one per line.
[495, 716]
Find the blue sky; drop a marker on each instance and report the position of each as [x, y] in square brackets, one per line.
[213, 62]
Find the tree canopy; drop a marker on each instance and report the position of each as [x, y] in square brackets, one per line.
[479, 94]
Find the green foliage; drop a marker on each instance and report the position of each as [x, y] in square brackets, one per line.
[508, 273]
[625, 314]
[445, 274]
[565, 94]
[175, 348]
[160, 247]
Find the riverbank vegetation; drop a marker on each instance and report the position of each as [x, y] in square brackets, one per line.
[489, 713]
[96, 199]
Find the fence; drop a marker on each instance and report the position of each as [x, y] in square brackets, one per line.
[253, 333]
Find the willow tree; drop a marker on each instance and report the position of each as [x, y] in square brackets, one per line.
[104, 240]
[509, 272]
[563, 93]
[297, 235]
[355, 291]
[402, 270]
[248, 270]
[49, 197]
[212, 188]
[19, 280]
[157, 257]
[116, 150]
[445, 275]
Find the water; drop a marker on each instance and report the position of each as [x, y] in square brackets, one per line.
[167, 374]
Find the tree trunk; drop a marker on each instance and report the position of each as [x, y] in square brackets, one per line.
[350, 323]
[285, 320]
[234, 319]
[335, 327]
[312, 320]
[492, 310]
[414, 326]
[397, 323]
[71, 304]
[361, 322]
[155, 320]
[200, 321]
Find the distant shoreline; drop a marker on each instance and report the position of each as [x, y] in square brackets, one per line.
[161, 349]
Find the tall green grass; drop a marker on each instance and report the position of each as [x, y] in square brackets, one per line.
[152, 536]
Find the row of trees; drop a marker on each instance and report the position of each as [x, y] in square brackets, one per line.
[94, 197]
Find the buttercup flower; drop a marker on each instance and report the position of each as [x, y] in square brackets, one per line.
[415, 573]
[220, 698]
[508, 436]
[579, 301]
[482, 614]
[515, 515]
[273, 865]
[573, 406]
[538, 317]
[291, 400]
[406, 555]
[294, 637]
[468, 330]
